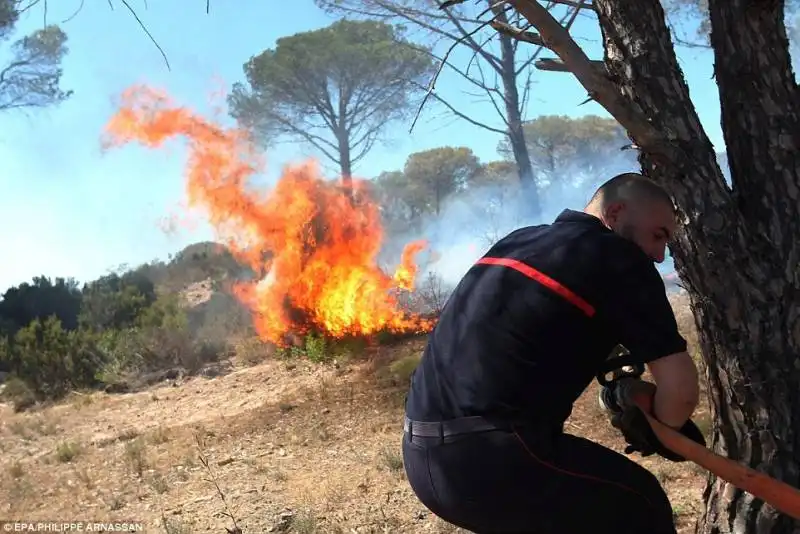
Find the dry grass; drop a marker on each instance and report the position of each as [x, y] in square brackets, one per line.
[295, 447]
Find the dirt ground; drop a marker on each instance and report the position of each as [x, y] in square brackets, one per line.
[273, 447]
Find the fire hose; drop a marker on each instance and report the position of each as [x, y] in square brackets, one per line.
[778, 494]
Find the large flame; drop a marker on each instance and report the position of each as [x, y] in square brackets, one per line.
[313, 248]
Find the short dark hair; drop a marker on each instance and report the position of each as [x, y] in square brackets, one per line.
[630, 185]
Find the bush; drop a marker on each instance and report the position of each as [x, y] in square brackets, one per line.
[19, 393]
[52, 361]
[433, 293]
[160, 339]
[314, 348]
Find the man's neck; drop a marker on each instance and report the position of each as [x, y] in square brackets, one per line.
[594, 211]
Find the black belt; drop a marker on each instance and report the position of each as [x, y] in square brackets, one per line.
[454, 427]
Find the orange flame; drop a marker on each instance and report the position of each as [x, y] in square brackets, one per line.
[313, 249]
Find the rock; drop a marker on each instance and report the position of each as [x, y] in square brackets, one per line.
[283, 522]
[116, 388]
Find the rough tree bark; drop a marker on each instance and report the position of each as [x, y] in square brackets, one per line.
[738, 250]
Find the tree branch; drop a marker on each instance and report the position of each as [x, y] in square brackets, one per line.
[416, 17]
[594, 80]
[11, 66]
[556, 65]
[517, 33]
[432, 85]
[525, 66]
[146, 31]
[458, 113]
[467, 37]
[498, 92]
[479, 84]
[580, 5]
[315, 140]
[577, 5]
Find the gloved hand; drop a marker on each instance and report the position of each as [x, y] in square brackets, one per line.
[617, 399]
[640, 436]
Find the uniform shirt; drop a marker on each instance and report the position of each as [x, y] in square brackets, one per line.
[531, 323]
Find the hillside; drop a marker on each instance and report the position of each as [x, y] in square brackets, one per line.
[292, 447]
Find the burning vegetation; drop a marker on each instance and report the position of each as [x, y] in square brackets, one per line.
[312, 244]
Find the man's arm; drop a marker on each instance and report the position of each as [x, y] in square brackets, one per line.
[640, 313]
[678, 390]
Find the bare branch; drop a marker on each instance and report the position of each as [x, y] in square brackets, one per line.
[460, 114]
[557, 65]
[316, 141]
[464, 74]
[518, 33]
[539, 50]
[570, 3]
[467, 37]
[496, 91]
[577, 5]
[594, 80]
[80, 8]
[146, 31]
[432, 85]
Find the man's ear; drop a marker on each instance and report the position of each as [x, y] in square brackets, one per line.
[612, 212]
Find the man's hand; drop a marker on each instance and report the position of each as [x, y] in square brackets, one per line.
[618, 398]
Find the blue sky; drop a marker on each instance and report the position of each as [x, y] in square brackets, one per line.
[70, 210]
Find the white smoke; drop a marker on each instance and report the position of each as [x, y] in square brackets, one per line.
[470, 222]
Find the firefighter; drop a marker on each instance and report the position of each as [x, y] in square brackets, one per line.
[524, 333]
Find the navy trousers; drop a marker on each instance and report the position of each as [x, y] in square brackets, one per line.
[523, 481]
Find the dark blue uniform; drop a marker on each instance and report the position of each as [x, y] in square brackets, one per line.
[524, 333]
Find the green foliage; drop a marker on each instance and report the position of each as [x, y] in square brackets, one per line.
[125, 330]
[433, 175]
[428, 179]
[9, 14]
[33, 75]
[66, 451]
[195, 263]
[16, 390]
[40, 299]
[315, 348]
[115, 301]
[574, 152]
[337, 88]
[399, 208]
[123, 357]
[569, 156]
[51, 360]
[404, 368]
[160, 338]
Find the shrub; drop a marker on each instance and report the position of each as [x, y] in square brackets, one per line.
[433, 293]
[52, 361]
[19, 393]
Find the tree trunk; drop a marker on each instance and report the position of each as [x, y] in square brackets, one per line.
[516, 133]
[345, 164]
[343, 142]
[738, 249]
